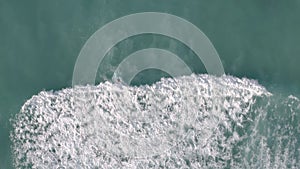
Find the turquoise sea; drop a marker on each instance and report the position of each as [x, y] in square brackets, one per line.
[259, 121]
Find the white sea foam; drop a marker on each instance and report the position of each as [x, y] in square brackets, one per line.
[193, 121]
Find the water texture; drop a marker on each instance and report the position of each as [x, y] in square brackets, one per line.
[39, 45]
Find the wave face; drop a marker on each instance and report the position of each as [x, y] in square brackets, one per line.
[197, 121]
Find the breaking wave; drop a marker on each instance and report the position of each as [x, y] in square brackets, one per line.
[197, 121]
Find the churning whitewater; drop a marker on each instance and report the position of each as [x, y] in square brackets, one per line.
[197, 121]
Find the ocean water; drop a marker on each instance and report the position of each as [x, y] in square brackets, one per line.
[246, 119]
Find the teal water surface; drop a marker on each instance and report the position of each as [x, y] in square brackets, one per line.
[40, 41]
